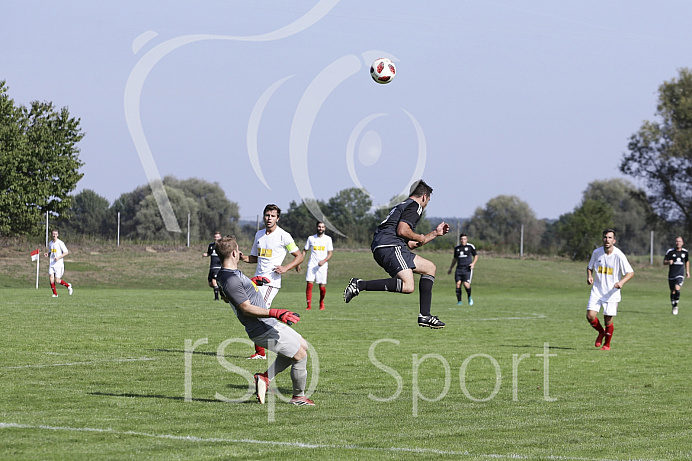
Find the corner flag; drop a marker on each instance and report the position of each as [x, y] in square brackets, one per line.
[35, 257]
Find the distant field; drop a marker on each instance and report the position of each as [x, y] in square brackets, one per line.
[103, 374]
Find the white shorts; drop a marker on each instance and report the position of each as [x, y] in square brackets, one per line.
[57, 270]
[268, 293]
[281, 339]
[317, 274]
[609, 308]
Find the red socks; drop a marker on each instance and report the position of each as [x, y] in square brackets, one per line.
[323, 292]
[308, 294]
[52, 286]
[260, 350]
[608, 335]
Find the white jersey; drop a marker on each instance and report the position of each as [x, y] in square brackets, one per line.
[319, 249]
[271, 249]
[607, 270]
[56, 248]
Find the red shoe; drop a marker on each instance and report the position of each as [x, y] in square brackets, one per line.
[308, 308]
[301, 400]
[257, 356]
[261, 386]
[599, 340]
[605, 348]
[321, 307]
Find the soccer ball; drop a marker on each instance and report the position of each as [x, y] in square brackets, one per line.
[383, 70]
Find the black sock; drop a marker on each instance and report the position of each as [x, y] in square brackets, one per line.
[468, 292]
[458, 294]
[394, 284]
[216, 292]
[425, 287]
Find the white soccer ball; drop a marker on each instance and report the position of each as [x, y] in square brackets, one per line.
[383, 70]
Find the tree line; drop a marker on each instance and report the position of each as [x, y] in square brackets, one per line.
[39, 171]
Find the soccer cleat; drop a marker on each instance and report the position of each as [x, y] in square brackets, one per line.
[605, 348]
[261, 386]
[599, 340]
[470, 301]
[321, 307]
[675, 310]
[301, 400]
[430, 321]
[351, 290]
[256, 356]
[460, 303]
[308, 308]
[69, 289]
[54, 296]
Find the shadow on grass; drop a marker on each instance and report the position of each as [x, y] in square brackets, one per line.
[213, 354]
[533, 346]
[167, 397]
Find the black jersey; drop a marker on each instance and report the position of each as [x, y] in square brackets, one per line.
[408, 211]
[215, 260]
[679, 258]
[464, 255]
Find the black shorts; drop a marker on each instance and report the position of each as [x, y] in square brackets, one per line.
[394, 259]
[213, 272]
[679, 280]
[463, 274]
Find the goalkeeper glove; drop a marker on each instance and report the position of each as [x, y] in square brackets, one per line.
[259, 280]
[286, 316]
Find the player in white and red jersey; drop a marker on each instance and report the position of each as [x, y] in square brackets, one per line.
[270, 247]
[607, 273]
[57, 252]
[321, 250]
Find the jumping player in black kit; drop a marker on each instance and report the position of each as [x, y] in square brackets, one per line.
[391, 247]
[679, 261]
[465, 258]
[214, 264]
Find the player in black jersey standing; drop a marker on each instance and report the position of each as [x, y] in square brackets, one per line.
[391, 247]
[679, 261]
[465, 258]
[214, 264]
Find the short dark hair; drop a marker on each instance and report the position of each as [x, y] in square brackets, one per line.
[225, 246]
[606, 231]
[462, 235]
[270, 207]
[420, 188]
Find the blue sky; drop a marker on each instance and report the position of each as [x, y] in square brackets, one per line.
[273, 99]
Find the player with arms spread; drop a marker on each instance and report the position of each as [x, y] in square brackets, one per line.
[262, 326]
[391, 247]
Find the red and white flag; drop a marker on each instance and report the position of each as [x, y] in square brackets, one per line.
[34, 255]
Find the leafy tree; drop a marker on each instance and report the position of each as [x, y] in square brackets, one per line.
[630, 213]
[499, 224]
[39, 163]
[88, 214]
[149, 224]
[214, 211]
[660, 153]
[349, 211]
[299, 222]
[582, 230]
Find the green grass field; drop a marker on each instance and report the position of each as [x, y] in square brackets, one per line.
[103, 374]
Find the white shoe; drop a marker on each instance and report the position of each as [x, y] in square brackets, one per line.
[69, 289]
[675, 310]
[54, 296]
